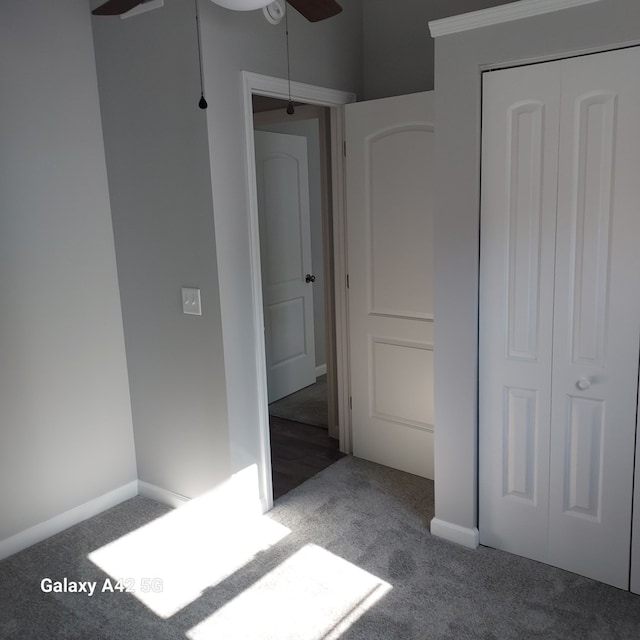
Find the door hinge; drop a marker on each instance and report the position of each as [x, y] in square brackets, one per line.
[344, 148]
[348, 285]
[350, 403]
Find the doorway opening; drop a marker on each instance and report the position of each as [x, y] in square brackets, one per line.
[295, 225]
[322, 283]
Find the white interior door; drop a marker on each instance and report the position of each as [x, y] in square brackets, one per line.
[282, 178]
[560, 312]
[519, 198]
[597, 316]
[390, 238]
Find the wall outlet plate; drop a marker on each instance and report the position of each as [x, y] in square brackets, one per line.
[191, 303]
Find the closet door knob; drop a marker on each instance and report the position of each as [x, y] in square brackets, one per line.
[583, 384]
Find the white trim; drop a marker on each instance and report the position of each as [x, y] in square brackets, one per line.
[300, 92]
[552, 57]
[150, 5]
[339, 204]
[48, 528]
[232, 496]
[276, 88]
[159, 494]
[498, 15]
[321, 370]
[264, 474]
[455, 533]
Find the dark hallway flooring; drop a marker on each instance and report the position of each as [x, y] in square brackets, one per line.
[298, 452]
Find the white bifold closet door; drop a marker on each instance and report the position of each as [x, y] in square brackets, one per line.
[560, 311]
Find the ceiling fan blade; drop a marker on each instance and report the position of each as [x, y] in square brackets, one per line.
[316, 10]
[115, 7]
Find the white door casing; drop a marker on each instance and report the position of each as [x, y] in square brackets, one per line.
[560, 312]
[282, 179]
[253, 83]
[390, 233]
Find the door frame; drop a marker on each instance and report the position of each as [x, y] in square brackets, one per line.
[253, 83]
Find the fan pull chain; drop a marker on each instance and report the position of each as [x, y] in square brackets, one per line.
[290, 109]
[202, 103]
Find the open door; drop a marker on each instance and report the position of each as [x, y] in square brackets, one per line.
[389, 146]
[285, 249]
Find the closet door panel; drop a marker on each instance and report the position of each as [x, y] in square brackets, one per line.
[519, 188]
[596, 317]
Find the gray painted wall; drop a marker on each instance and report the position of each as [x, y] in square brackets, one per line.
[193, 380]
[398, 49]
[158, 166]
[327, 54]
[66, 435]
[459, 58]
[310, 130]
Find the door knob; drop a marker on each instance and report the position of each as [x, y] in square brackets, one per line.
[309, 278]
[583, 384]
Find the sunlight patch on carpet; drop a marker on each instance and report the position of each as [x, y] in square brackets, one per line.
[169, 562]
[313, 595]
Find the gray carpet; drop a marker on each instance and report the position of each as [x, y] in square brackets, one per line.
[309, 405]
[357, 531]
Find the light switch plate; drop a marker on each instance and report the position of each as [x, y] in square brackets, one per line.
[191, 301]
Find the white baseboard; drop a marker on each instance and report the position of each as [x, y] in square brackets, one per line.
[455, 533]
[227, 498]
[265, 505]
[43, 530]
[159, 494]
[321, 370]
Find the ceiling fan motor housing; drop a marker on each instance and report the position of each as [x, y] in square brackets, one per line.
[242, 5]
[274, 12]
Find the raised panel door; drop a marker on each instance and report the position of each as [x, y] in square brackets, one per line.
[390, 246]
[597, 317]
[282, 178]
[519, 185]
